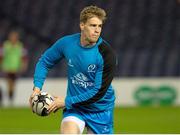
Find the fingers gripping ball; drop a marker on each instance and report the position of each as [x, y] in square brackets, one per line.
[41, 102]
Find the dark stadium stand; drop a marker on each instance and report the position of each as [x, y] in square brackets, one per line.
[144, 33]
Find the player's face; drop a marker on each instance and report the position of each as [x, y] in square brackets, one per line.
[13, 37]
[91, 30]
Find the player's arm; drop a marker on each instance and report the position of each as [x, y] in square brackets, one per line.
[24, 60]
[51, 56]
[103, 79]
[45, 63]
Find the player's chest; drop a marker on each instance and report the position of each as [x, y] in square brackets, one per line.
[84, 61]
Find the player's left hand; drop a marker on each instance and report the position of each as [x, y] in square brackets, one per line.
[58, 103]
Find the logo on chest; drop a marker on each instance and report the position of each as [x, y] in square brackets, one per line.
[70, 63]
[81, 80]
[92, 68]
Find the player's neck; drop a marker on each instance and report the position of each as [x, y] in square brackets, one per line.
[14, 42]
[85, 43]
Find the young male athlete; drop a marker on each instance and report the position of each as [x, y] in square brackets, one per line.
[91, 64]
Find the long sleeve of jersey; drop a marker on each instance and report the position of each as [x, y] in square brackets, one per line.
[46, 62]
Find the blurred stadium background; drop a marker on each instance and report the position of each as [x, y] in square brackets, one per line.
[146, 37]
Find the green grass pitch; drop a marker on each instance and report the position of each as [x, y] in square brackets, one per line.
[126, 120]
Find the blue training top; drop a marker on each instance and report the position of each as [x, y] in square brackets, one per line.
[90, 72]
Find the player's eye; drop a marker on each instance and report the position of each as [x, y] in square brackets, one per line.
[93, 25]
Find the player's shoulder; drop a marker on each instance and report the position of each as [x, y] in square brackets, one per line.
[66, 41]
[6, 42]
[106, 50]
[104, 42]
[105, 46]
[9, 43]
[70, 38]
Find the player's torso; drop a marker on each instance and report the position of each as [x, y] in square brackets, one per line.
[82, 65]
[12, 56]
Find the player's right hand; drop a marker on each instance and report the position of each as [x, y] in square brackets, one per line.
[35, 92]
[58, 103]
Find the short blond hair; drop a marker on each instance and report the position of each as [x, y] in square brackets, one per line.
[92, 11]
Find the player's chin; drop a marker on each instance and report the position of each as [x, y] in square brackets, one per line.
[94, 40]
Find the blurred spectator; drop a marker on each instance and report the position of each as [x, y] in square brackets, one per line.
[14, 60]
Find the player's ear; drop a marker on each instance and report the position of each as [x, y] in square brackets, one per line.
[81, 26]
